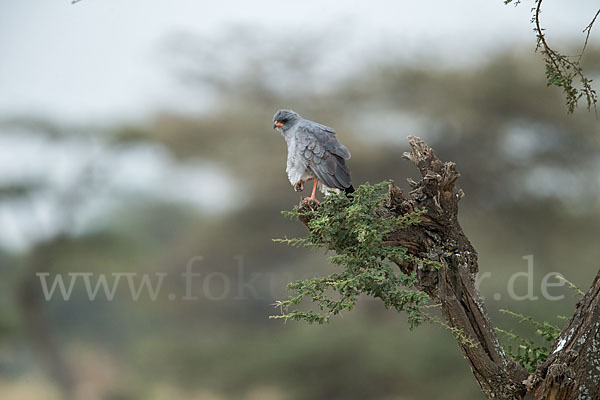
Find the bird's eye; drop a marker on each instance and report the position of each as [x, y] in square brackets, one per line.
[283, 121]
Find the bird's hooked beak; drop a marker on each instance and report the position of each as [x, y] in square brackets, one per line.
[277, 124]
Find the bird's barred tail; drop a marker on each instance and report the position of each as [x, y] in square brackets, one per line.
[349, 190]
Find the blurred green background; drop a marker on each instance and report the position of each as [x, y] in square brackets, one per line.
[86, 189]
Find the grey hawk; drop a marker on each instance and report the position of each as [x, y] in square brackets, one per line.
[314, 153]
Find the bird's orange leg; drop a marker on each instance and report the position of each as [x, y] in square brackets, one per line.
[314, 193]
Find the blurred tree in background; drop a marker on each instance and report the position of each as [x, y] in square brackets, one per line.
[495, 118]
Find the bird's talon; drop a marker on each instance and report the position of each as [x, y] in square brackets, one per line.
[298, 187]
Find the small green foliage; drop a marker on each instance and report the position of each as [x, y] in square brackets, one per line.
[563, 70]
[578, 292]
[352, 229]
[459, 334]
[525, 351]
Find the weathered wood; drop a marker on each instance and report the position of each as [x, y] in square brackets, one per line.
[570, 371]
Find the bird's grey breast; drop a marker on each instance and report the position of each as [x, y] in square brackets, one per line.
[297, 168]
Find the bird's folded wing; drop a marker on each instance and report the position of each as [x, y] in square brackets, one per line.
[324, 155]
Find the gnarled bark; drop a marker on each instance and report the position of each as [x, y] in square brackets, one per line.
[571, 372]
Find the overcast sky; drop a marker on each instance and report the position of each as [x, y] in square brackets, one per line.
[101, 58]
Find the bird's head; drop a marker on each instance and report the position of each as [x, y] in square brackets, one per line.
[285, 119]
